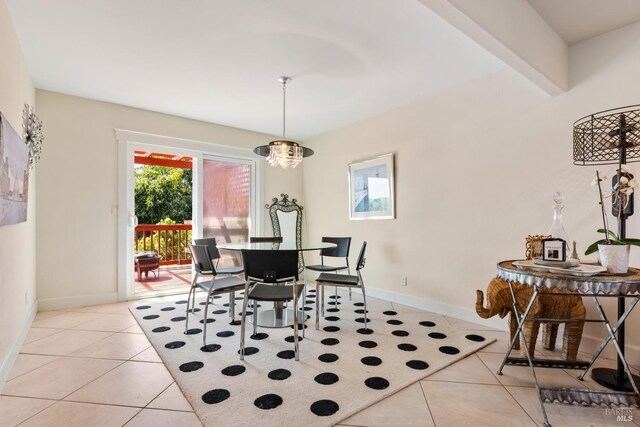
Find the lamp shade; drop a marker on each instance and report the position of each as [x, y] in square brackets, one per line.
[599, 138]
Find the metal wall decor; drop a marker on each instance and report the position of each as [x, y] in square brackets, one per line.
[285, 205]
[32, 134]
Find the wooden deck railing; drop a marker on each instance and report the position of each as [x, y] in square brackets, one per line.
[171, 242]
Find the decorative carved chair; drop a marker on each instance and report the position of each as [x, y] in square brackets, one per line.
[286, 221]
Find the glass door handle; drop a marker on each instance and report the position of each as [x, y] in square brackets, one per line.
[133, 221]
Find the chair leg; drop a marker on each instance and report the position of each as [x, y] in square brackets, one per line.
[255, 318]
[364, 297]
[321, 300]
[304, 313]
[231, 301]
[206, 310]
[242, 324]
[317, 308]
[295, 320]
[232, 305]
[191, 295]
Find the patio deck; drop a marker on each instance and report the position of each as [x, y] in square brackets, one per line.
[171, 277]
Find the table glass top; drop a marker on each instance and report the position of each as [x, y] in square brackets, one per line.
[284, 246]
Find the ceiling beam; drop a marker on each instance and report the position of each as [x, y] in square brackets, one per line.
[514, 32]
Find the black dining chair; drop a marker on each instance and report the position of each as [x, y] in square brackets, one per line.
[266, 273]
[265, 239]
[203, 265]
[341, 250]
[210, 243]
[344, 280]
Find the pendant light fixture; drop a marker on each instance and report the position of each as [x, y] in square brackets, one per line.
[283, 152]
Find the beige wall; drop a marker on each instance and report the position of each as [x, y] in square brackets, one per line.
[17, 242]
[477, 166]
[77, 231]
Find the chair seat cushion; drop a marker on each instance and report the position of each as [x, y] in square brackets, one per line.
[338, 279]
[229, 270]
[320, 267]
[222, 284]
[263, 292]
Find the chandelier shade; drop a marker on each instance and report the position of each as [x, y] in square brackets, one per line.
[283, 152]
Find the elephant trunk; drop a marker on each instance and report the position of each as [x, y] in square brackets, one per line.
[483, 312]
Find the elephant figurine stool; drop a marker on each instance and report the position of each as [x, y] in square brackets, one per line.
[569, 307]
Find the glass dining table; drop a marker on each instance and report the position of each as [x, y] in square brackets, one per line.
[278, 317]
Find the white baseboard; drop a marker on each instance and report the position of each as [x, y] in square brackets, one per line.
[589, 343]
[14, 349]
[77, 301]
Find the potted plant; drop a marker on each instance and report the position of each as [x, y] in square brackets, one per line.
[614, 251]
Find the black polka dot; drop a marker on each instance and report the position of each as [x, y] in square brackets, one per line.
[360, 311]
[358, 304]
[417, 364]
[437, 335]
[143, 307]
[168, 309]
[193, 331]
[368, 344]
[331, 329]
[193, 310]
[239, 298]
[330, 341]
[161, 329]
[389, 313]
[371, 361]
[313, 291]
[290, 338]
[233, 370]
[191, 366]
[328, 357]
[268, 401]
[306, 308]
[235, 322]
[208, 321]
[365, 331]
[217, 296]
[219, 311]
[210, 348]
[151, 317]
[175, 344]
[361, 320]
[407, 347]
[446, 349]
[333, 310]
[326, 378]
[215, 396]
[248, 351]
[225, 334]
[202, 303]
[428, 324]
[334, 296]
[324, 408]
[182, 301]
[309, 301]
[259, 336]
[376, 383]
[178, 319]
[394, 322]
[476, 338]
[300, 326]
[332, 318]
[279, 374]
[334, 303]
[400, 333]
[286, 354]
[226, 304]
[249, 313]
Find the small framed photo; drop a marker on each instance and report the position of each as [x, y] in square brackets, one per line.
[554, 250]
[534, 246]
[371, 188]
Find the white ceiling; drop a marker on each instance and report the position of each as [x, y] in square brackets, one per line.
[577, 20]
[219, 60]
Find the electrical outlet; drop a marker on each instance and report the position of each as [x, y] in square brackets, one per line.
[403, 280]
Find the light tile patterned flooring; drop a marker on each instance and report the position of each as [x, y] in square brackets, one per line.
[93, 366]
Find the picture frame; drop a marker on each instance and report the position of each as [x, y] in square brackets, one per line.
[14, 175]
[554, 250]
[372, 188]
[533, 247]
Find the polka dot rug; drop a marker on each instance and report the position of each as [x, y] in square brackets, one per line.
[343, 367]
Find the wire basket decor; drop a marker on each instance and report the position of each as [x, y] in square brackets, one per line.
[599, 138]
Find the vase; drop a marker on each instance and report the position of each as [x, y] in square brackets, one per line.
[615, 258]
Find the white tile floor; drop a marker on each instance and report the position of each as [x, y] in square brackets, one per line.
[93, 366]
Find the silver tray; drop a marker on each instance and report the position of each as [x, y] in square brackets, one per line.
[570, 263]
[579, 270]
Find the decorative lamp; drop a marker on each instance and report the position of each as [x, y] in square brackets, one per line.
[284, 153]
[604, 138]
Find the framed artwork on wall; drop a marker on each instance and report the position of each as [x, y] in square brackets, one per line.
[371, 188]
[14, 175]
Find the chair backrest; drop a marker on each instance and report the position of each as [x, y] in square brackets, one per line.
[361, 258]
[270, 266]
[202, 259]
[265, 239]
[341, 250]
[210, 243]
